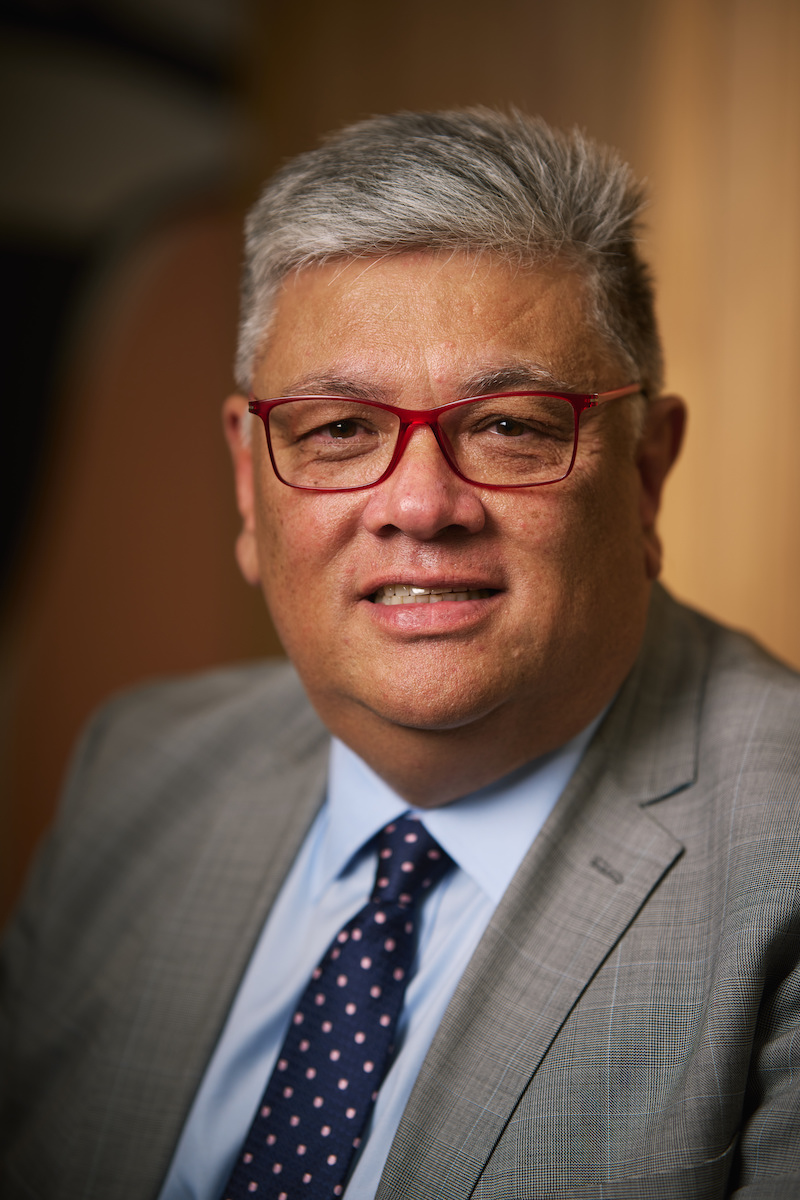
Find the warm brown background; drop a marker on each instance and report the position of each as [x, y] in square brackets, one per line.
[128, 570]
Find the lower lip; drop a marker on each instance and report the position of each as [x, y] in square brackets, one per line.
[442, 617]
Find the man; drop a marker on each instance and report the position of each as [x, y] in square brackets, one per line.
[449, 488]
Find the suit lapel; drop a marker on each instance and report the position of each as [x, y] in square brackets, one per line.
[586, 877]
[197, 954]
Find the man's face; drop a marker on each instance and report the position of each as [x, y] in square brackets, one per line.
[563, 570]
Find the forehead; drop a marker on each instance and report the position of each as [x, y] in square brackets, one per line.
[442, 322]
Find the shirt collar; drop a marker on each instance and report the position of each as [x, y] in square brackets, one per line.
[486, 833]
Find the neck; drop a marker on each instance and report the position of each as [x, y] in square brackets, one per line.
[432, 768]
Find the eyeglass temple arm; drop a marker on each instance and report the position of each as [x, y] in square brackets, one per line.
[630, 389]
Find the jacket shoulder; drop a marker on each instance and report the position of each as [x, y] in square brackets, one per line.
[729, 717]
[221, 698]
[726, 671]
[234, 720]
[751, 704]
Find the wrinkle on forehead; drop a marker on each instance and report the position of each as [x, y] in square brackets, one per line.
[452, 324]
[337, 266]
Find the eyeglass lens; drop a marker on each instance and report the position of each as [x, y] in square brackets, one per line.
[324, 442]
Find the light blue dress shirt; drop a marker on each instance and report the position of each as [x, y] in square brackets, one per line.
[487, 834]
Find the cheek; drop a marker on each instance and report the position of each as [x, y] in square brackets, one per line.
[576, 542]
[542, 533]
[302, 538]
[606, 555]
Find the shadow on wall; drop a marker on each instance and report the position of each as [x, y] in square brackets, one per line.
[113, 111]
[122, 243]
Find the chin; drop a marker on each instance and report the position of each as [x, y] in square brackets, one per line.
[433, 703]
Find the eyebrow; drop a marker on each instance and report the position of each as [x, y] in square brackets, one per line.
[520, 376]
[517, 376]
[336, 385]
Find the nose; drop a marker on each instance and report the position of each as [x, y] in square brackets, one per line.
[423, 497]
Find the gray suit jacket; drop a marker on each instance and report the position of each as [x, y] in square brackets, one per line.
[628, 1027]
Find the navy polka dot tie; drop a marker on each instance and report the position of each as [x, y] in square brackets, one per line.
[309, 1124]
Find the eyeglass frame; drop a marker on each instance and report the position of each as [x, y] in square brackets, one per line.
[410, 418]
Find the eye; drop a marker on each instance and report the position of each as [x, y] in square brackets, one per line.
[341, 429]
[509, 427]
[346, 429]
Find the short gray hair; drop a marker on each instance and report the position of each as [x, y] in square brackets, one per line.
[474, 180]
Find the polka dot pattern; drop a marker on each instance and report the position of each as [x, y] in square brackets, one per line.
[310, 1121]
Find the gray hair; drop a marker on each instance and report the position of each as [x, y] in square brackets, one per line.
[475, 180]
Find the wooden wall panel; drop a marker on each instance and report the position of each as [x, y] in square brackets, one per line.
[725, 166]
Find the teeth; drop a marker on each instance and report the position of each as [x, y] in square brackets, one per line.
[411, 593]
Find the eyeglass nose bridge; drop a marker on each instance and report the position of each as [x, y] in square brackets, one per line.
[408, 426]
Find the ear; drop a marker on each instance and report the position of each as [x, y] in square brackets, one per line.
[658, 449]
[235, 418]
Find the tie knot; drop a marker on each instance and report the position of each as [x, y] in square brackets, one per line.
[410, 862]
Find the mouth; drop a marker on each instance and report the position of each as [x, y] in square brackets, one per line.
[412, 593]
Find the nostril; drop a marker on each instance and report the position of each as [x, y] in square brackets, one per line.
[423, 497]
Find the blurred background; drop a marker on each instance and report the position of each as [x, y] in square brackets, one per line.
[133, 135]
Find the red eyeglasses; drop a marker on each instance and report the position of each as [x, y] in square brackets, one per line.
[509, 440]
